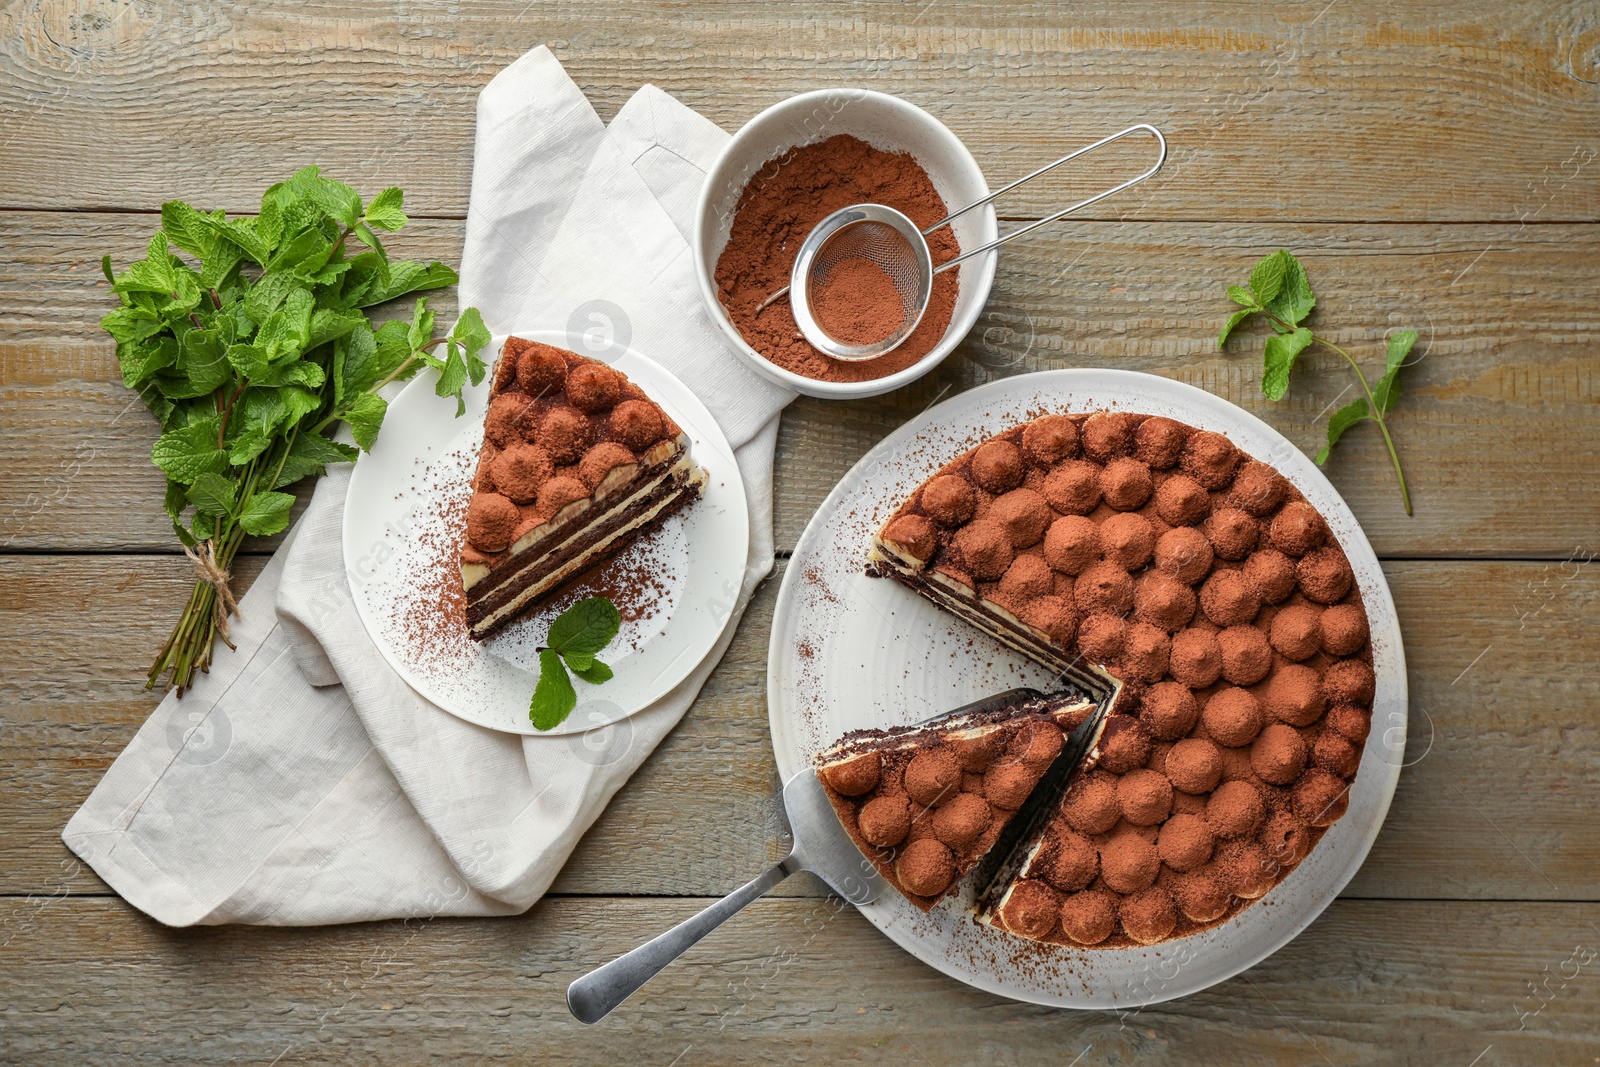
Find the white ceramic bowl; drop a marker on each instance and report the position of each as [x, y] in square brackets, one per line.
[885, 122]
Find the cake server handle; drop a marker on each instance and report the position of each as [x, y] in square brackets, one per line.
[592, 997]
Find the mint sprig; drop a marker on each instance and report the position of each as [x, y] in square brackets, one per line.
[252, 349]
[1280, 292]
[578, 635]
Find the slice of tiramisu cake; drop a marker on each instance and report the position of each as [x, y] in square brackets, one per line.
[577, 462]
[926, 803]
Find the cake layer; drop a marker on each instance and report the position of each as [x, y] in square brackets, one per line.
[541, 572]
[995, 620]
[572, 520]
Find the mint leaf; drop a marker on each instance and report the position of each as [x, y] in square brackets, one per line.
[204, 355]
[335, 198]
[269, 224]
[330, 324]
[256, 366]
[473, 336]
[1280, 289]
[1387, 391]
[1233, 320]
[553, 698]
[1294, 299]
[596, 673]
[421, 330]
[393, 348]
[186, 229]
[1341, 421]
[586, 627]
[384, 211]
[452, 377]
[139, 361]
[266, 513]
[354, 362]
[303, 254]
[212, 494]
[309, 454]
[1281, 351]
[241, 233]
[190, 451]
[268, 294]
[365, 416]
[1266, 279]
[364, 234]
[403, 277]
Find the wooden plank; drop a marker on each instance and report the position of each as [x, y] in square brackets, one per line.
[1374, 110]
[1497, 802]
[1497, 414]
[90, 981]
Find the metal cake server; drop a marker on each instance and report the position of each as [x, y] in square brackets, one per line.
[821, 846]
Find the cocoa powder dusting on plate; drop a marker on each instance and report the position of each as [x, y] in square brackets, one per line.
[782, 204]
[429, 611]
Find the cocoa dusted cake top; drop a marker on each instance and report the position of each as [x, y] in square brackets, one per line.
[1204, 581]
[557, 424]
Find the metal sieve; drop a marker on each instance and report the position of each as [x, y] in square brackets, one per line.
[885, 237]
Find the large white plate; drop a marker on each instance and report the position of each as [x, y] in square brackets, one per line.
[401, 545]
[850, 652]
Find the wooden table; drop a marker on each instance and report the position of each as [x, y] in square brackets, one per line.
[1435, 165]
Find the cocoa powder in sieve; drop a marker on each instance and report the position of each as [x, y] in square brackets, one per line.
[781, 205]
[858, 304]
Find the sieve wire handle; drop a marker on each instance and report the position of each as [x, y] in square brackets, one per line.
[1161, 158]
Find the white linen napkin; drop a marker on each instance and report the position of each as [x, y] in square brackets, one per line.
[302, 781]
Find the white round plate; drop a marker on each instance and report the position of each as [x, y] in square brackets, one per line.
[403, 523]
[851, 652]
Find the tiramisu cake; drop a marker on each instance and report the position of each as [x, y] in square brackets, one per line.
[1201, 580]
[577, 462]
[926, 803]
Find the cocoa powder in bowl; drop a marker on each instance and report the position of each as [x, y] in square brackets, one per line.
[780, 206]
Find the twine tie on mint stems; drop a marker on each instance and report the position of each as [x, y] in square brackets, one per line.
[224, 606]
[887, 239]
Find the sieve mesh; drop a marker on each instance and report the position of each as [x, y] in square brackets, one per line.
[878, 243]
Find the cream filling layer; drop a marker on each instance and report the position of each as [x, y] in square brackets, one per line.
[582, 560]
[981, 613]
[843, 753]
[562, 529]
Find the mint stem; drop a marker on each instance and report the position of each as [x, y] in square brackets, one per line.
[1372, 405]
[409, 360]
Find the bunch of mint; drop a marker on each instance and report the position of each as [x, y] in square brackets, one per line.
[1280, 292]
[578, 635]
[250, 355]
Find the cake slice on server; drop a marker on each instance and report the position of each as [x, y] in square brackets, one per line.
[576, 464]
[926, 803]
